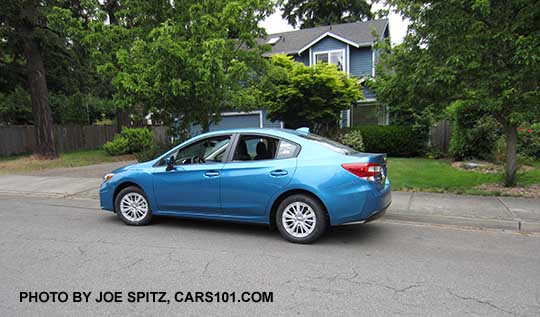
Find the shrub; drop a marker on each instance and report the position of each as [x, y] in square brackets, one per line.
[353, 138]
[529, 140]
[393, 140]
[118, 146]
[130, 140]
[474, 134]
[152, 152]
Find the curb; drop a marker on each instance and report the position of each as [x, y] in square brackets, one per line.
[515, 225]
[512, 225]
[530, 227]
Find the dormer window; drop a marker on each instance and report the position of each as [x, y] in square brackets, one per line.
[336, 57]
[274, 40]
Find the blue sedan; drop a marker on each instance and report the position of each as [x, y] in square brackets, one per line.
[294, 180]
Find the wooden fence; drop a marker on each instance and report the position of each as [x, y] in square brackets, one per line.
[21, 139]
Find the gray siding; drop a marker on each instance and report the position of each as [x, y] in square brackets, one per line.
[368, 93]
[360, 61]
[304, 58]
[237, 121]
[269, 124]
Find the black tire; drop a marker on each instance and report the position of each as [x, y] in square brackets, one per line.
[132, 190]
[321, 220]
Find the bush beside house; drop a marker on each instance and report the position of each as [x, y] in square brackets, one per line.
[353, 138]
[402, 141]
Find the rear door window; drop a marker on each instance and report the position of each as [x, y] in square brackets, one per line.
[329, 144]
[286, 149]
[255, 148]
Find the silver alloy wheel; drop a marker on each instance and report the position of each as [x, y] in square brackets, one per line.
[299, 219]
[134, 206]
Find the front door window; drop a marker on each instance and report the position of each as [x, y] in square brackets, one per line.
[210, 150]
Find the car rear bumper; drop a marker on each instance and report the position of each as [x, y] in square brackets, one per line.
[364, 206]
[378, 214]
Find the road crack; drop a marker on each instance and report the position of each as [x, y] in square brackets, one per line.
[480, 301]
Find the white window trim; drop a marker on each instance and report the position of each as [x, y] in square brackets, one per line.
[372, 61]
[347, 60]
[342, 50]
[240, 113]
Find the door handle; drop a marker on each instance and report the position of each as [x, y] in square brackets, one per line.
[211, 173]
[278, 173]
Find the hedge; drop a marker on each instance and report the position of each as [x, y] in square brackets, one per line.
[406, 141]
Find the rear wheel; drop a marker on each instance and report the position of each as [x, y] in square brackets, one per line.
[132, 206]
[301, 219]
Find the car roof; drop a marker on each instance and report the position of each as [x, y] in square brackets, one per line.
[276, 132]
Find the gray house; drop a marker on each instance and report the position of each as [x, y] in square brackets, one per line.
[349, 46]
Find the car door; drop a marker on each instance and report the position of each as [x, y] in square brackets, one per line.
[192, 185]
[260, 166]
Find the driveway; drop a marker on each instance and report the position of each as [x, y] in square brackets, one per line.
[383, 268]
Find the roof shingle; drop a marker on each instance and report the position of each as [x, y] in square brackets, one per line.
[358, 32]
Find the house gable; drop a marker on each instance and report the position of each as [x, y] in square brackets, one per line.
[328, 35]
[328, 44]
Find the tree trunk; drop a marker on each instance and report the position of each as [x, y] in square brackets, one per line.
[511, 155]
[41, 111]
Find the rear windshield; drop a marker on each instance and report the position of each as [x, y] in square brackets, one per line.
[329, 144]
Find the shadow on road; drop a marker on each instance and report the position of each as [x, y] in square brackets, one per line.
[348, 234]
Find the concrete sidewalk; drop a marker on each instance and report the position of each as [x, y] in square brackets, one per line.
[507, 213]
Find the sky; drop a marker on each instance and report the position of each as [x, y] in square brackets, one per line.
[398, 26]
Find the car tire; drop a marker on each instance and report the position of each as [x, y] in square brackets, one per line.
[132, 207]
[301, 219]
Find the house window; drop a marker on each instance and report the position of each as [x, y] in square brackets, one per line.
[368, 114]
[336, 57]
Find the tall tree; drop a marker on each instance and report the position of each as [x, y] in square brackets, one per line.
[43, 57]
[199, 63]
[478, 54]
[23, 29]
[123, 23]
[310, 13]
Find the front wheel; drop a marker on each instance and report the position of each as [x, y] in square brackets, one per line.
[301, 219]
[132, 206]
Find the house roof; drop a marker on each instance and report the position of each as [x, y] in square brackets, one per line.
[355, 33]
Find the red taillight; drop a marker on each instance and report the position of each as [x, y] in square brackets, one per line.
[367, 171]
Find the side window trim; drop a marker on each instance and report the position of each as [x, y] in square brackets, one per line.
[228, 157]
[236, 137]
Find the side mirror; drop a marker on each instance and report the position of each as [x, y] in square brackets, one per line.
[169, 161]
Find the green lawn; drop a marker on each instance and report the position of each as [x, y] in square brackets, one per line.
[27, 163]
[410, 174]
[414, 174]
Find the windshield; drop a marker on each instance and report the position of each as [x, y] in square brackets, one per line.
[329, 144]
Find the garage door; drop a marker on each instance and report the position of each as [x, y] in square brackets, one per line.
[237, 121]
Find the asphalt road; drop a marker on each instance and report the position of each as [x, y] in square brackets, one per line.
[383, 268]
